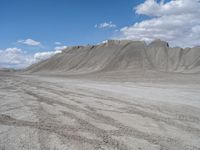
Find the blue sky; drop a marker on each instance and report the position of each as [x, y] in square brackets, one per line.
[68, 21]
[32, 30]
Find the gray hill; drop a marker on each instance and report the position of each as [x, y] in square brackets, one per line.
[119, 95]
[122, 55]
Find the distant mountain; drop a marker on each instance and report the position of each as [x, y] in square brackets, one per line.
[122, 55]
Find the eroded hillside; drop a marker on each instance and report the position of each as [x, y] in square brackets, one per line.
[122, 55]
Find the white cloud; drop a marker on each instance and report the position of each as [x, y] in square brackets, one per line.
[105, 25]
[60, 48]
[176, 21]
[13, 50]
[29, 42]
[44, 55]
[104, 42]
[173, 7]
[16, 58]
[57, 43]
[13, 57]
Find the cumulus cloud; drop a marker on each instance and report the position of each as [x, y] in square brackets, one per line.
[29, 42]
[176, 21]
[13, 57]
[105, 25]
[13, 50]
[104, 42]
[60, 48]
[16, 58]
[44, 55]
[173, 7]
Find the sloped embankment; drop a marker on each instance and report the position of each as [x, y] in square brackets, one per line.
[122, 55]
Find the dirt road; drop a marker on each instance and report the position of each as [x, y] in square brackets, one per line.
[80, 114]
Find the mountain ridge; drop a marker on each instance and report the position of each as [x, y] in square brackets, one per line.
[122, 55]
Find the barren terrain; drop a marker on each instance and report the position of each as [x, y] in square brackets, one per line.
[87, 113]
[119, 95]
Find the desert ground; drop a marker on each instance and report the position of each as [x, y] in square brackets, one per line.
[99, 112]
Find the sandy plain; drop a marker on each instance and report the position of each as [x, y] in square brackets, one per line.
[99, 112]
